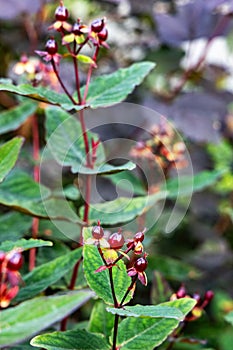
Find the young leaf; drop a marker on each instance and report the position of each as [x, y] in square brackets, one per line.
[85, 59]
[111, 89]
[70, 340]
[8, 155]
[11, 119]
[45, 275]
[101, 321]
[24, 244]
[122, 209]
[32, 316]
[151, 332]
[100, 281]
[39, 93]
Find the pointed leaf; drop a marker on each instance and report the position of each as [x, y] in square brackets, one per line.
[40, 94]
[101, 321]
[100, 281]
[150, 332]
[11, 119]
[70, 340]
[122, 209]
[105, 168]
[8, 155]
[45, 275]
[32, 316]
[111, 89]
[24, 244]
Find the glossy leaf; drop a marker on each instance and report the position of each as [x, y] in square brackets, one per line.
[24, 244]
[32, 316]
[106, 168]
[151, 332]
[11, 119]
[101, 321]
[9, 152]
[40, 93]
[70, 340]
[14, 225]
[123, 179]
[186, 185]
[111, 89]
[100, 281]
[122, 209]
[45, 275]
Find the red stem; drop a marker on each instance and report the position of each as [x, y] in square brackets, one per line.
[36, 175]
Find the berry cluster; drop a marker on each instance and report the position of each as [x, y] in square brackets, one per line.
[10, 264]
[110, 245]
[162, 148]
[74, 37]
[200, 305]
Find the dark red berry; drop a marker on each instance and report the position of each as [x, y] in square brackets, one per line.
[51, 47]
[209, 295]
[139, 236]
[97, 232]
[61, 13]
[2, 256]
[97, 25]
[103, 34]
[77, 29]
[181, 293]
[15, 261]
[140, 264]
[116, 240]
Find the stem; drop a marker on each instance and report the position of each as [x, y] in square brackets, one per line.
[89, 75]
[36, 176]
[76, 72]
[116, 320]
[112, 288]
[134, 279]
[87, 199]
[61, 82]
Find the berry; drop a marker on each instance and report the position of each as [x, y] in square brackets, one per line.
[51, 47]
[103, 34]
[197, 297]
[209, 295]
[181, 293]
[61, 13]
[140, 264]
[139, 236]
[15, 261]
[97, 25]
[2, 256]
[97, 232]
[116, 240]
[77, 29]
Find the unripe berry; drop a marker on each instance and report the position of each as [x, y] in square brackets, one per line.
[2, 256]
[97, 232]
[139, 237]
[51, 47]
[140, 264]
[116, 240]
[103, 34]
[15, 261]
[97, 25]
[61, 13]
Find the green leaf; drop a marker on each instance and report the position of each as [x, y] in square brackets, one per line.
[20, 192]
[101, 321]
[32, 316]
[122, 209]
[65, 139]
[11, 119]
[229, 317]
[111, 89]
[105, 168]
[70, 340]
[24, 244]
[45, 275]
[39, 93]
[186, 185]
[8, 155]
[150, 332]
[85, 59]
[14, 226]
[100, 281]
[123, 179]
